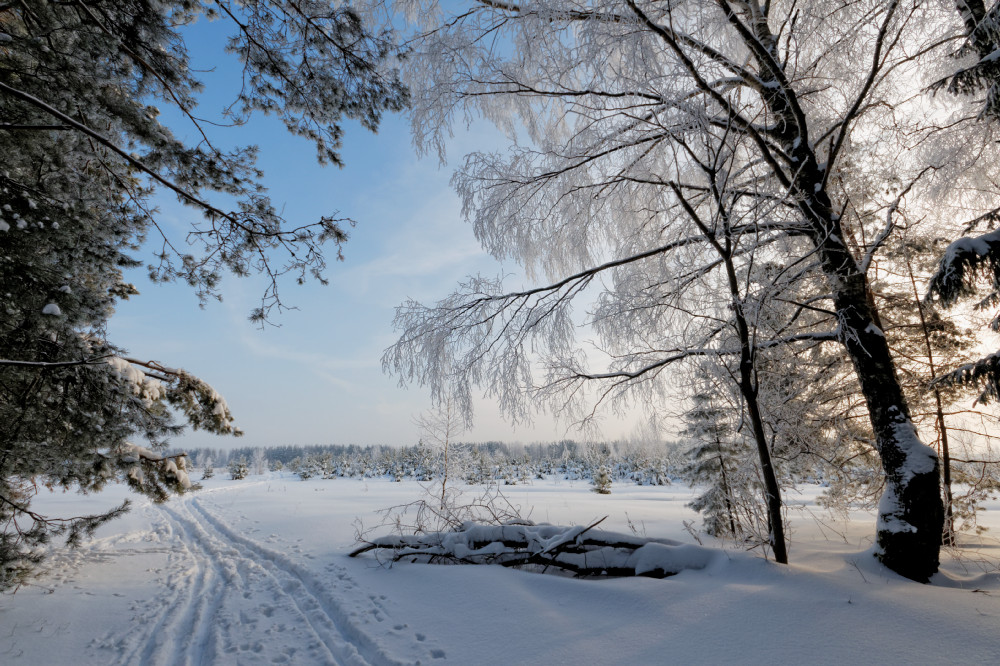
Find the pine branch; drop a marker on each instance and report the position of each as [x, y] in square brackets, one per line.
[57, 364]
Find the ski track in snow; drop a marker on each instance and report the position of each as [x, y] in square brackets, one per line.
[230, 599]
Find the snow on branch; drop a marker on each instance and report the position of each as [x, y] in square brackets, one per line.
[581, 551]
[965, 262]
[202, 405]
[980, 40]
[984, 374]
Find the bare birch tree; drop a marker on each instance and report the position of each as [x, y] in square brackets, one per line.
[439, 426]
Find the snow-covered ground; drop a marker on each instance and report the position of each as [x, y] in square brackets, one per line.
[256, 572]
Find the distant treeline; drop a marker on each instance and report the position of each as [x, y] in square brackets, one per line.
[536, 451]
[730, 487]
[474, 462]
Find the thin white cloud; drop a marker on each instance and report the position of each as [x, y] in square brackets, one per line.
[316, 361]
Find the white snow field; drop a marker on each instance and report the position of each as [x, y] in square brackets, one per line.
[256, 572]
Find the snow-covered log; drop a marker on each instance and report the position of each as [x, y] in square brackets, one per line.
[581, 550]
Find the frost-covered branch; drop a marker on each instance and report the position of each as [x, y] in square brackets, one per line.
[781, 132]
[862, 97]
[250, 230]
[733, 117]
[890, 224]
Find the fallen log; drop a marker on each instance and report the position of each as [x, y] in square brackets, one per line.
[581, 551]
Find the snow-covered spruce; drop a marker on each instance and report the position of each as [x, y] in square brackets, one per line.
[580, 550]
[238, 469]
[602, 481]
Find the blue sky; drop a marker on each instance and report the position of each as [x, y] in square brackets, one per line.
[317, 378]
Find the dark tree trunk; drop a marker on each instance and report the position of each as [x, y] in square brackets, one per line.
[776, 534]
[726, 491]
[748, 389]
[747, 378]
[949, 516]
[911, 517]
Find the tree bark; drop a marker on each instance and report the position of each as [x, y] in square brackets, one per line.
[747, 375]
[748, 389]
[910, 516]
[726, 493]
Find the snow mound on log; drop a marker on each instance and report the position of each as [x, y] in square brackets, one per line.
[577, 550]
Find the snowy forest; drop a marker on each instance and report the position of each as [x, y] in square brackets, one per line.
[767, 232]
[728, 485]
